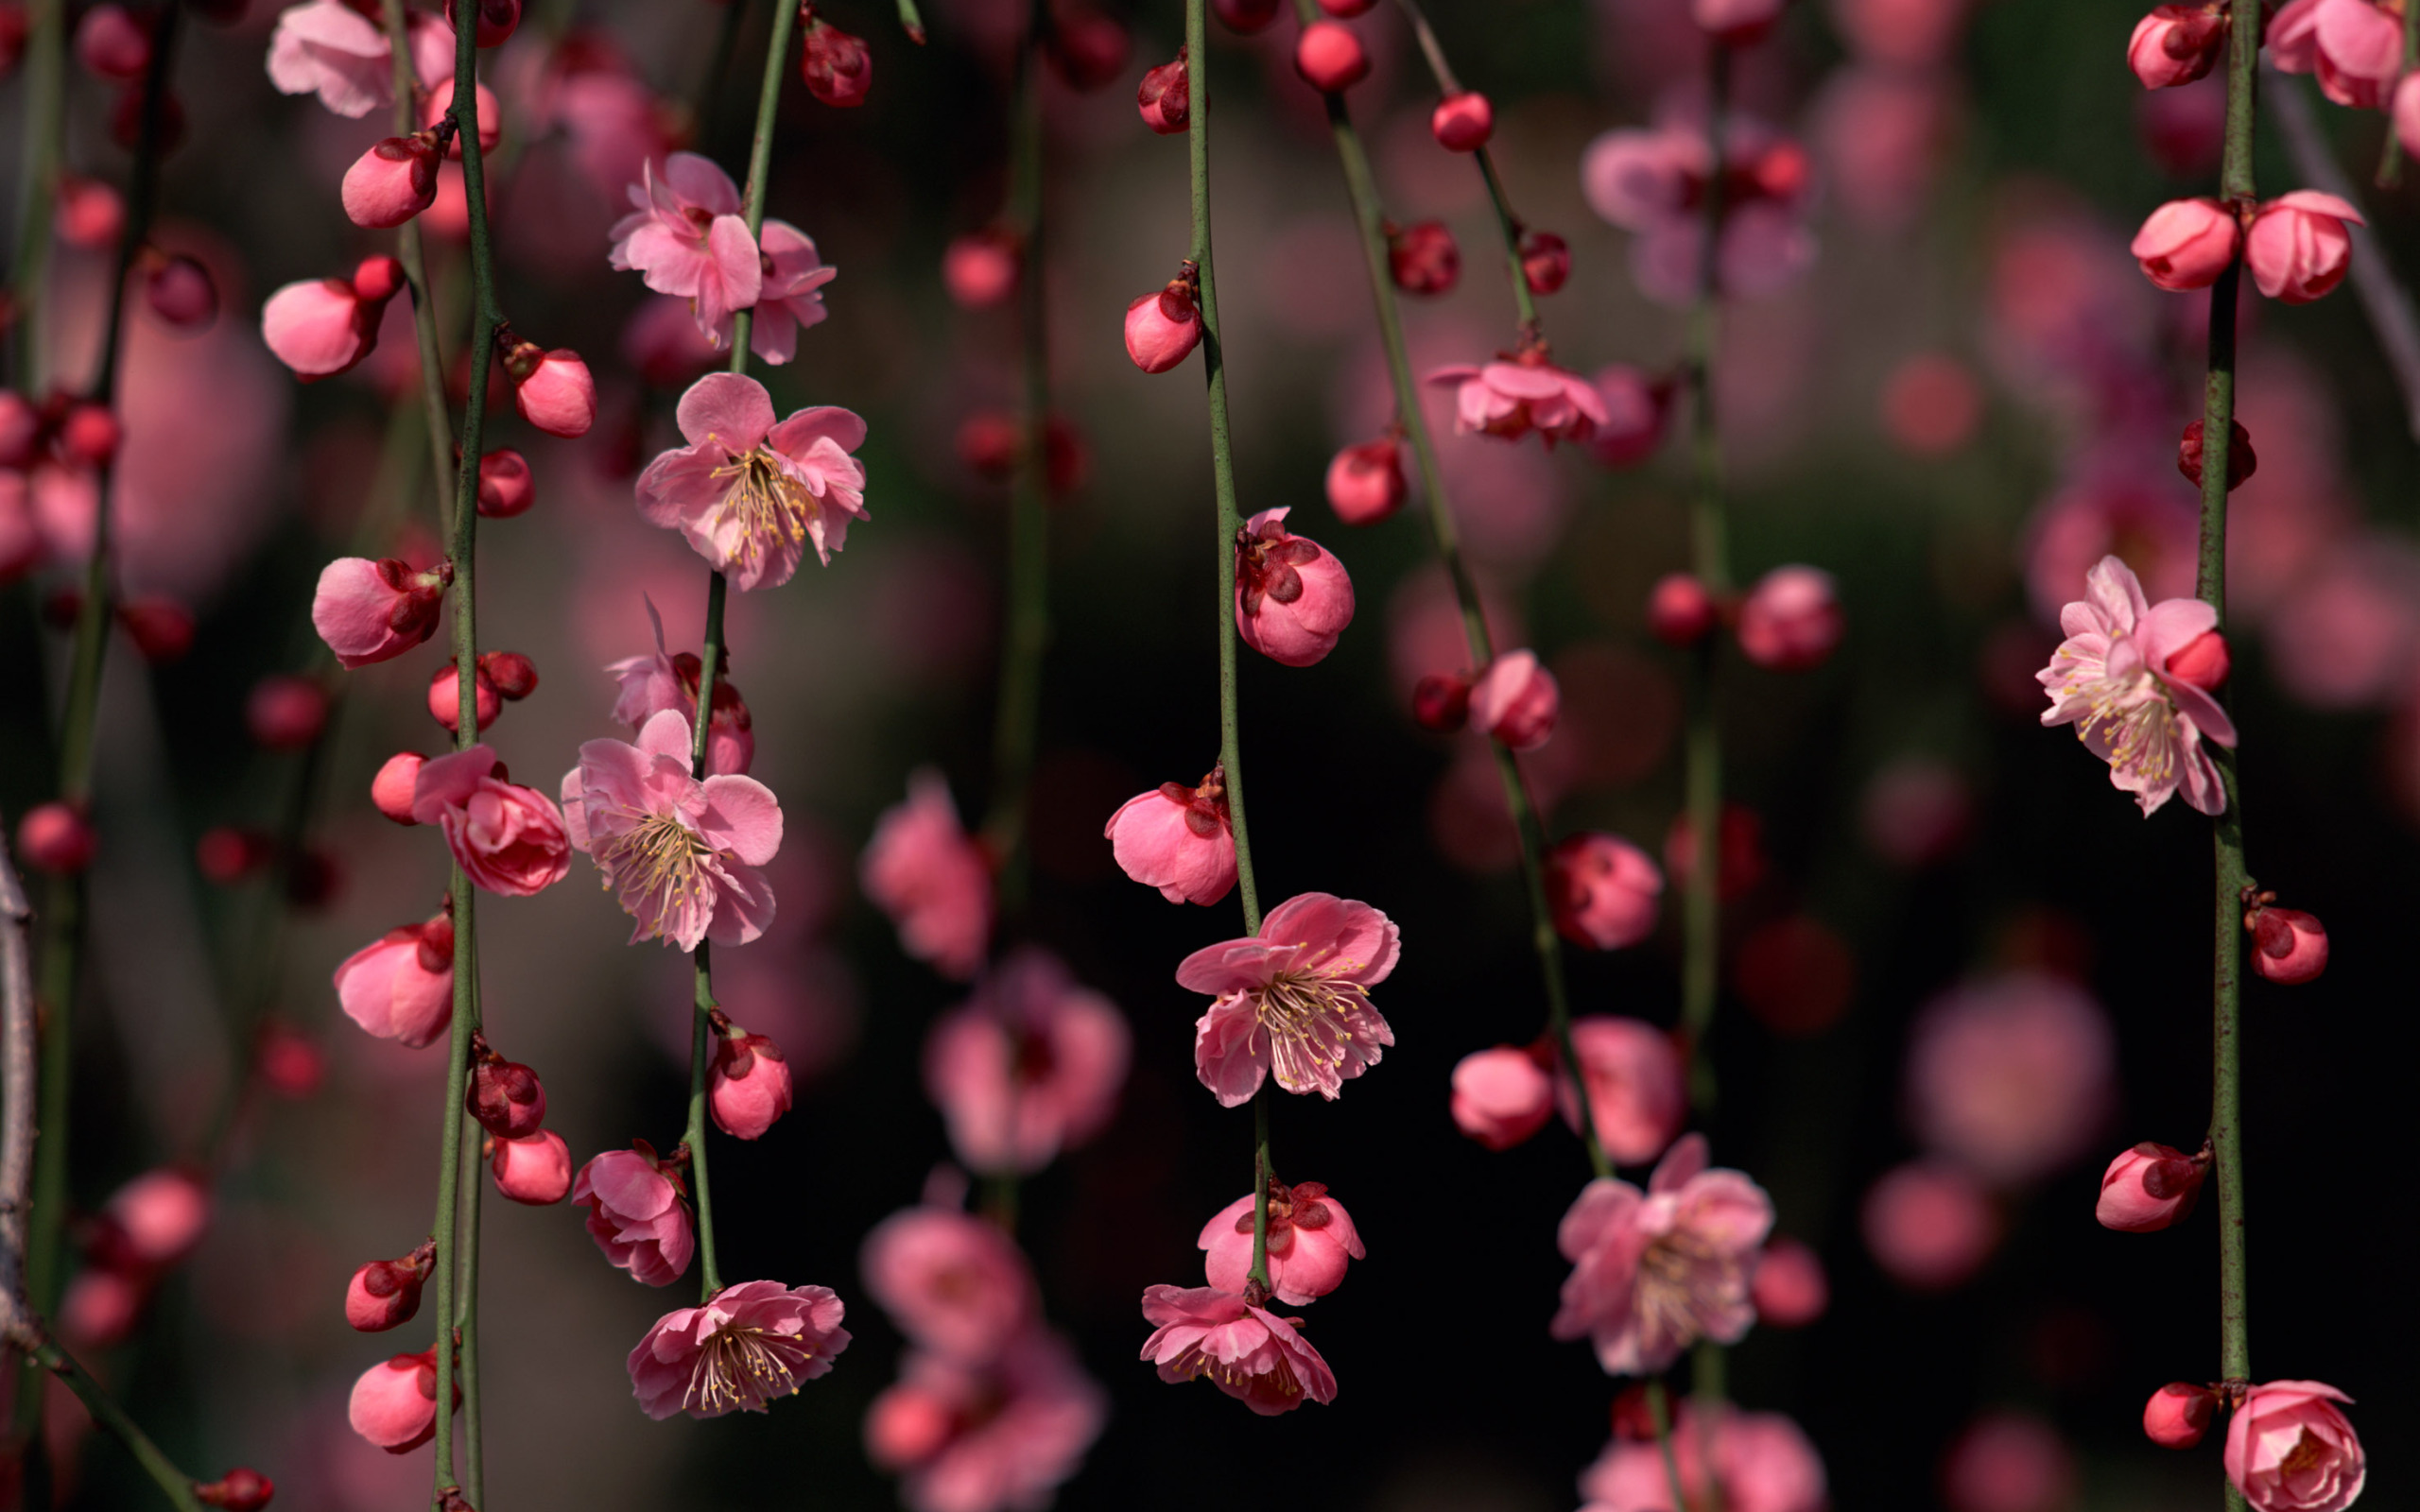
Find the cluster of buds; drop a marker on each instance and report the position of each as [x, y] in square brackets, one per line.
[1515, 701]
[2297, 245]
[498, 678]
[1791, 620]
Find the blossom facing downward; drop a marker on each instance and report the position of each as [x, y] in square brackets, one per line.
[792, 298]
[369, 611]
[2289, 1450]
[1294, 999]
[680, 855]
[1603, 890]
[749, 1088]
[1654, 182]
[1178, 839]
[636, 1214]
[323, 326]
[688, 238]
[2112, 679]
[921, 869]
[1517, 701]
[1636, 1096]
[2185, 244]
[1311, 1239]
[749, 494]
[1248, 1353]
[332, 50]
[744, 1346]
[1293, 600]
[2354, 46]
[1028, 1066]
[401, 987]
[510, 838]
[646, 686]
[1654, 1271]
[2298, 248]
[394, 1402]
[1510, 398]
[2176, 44]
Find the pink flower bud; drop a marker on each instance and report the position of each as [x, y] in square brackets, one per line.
[102, 1308]
[241, 1490]
[1311, 1242]
[1178, 839]
[285, 712]
[2298, 248]
[751, 1085]
[907, 1425]
[2289, 1450]
[375, 610]
[1162, 329]
[2176, 44]
[1502, 1096]
[979, 269]
[1546, 260]
[1930, 1225]
[391, 791]
[2187, 243]
[1441, 702]
[505, 1096]
[2289, 947]
[90, 213]
[1165, 98]
[440, 100]
[1292, 599]
[497, 20]
[54, 839]
[289, 1063]
[182, 293]
[552, 389]
[2241, 460]
[2148, 1188]
[2179, 1413]
[445, 698]
[1463, 123]
[376, 279]
[394, 1403]
[386, 1293]
[391, 182]
[155, 1221]
[1791, 622]
[1422, 259]
[1365, 483]
[1088, 48]
[1680, 611]
[113, 44]
[1790, 1288]
[535, 1170]
[1602, 892]
[506, 487]
[1515, 701]
[1244, 17]
[161, 629]
[323, 327]
[2203, 661]
[1330, 57]
[637, 1212]
[89, 435]
[401, 985]
[226, 856]
[836, 65]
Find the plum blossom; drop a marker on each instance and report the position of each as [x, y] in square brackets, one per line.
[1636, 1093]
[1293, 998]
[956, 1284]
[646, 686]
[680, 855]
[921, 869]
[1654, 1271]
[1512, 396]
[401, 987]
[688, 238]
[509, 838]
[1178, 839]
[2354, 46]
[331, 50]
[1763, 1462]
[1028, 1066]
[636, 1212]
[2012, 1076]
[2111, 679]
[1654, 182]
[369, 612]
[2289, 1450]
[1311, 1238]
[1503, 1095]
[1248, 1353]
[743, 1347]
[748, 493]
[982, 1438]
[791, 297]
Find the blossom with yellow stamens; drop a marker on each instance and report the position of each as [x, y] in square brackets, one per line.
[750, 494]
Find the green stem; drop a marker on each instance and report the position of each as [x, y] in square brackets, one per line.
[46, 68]
[174, 1484]
[1705, 1388]
[1507, 224]
[1659, 1409]
[467, 1319]
[701, 1057]
[408, 251]
[912, 21]
[2391, 157]
[1257, 1279]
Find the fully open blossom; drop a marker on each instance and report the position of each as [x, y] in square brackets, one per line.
[648, 685]
[331, 50]
[2297, 247]
[1248, 1353]
[743, 1347]
[921, 869]
[750, 494]
[1511, 397]
[2112, 681]
[1311, 1239]
[791, 297]
[1295, 998]
[1502, 1095]
[510, 838]
[2012, 1076]
[1763, 1462]
[956, 1284]
[688, 238]
[1031, 1065]
[394, 1402]
[401, 988]
[1603, 890]
[2289, 1450]
[1654, 1271]
[1178, 839]
[1636, 1094]
[987, 1437]
[2354, 46]
[1654, 183]
[636, 1214]
[680, 855]
[1292, 599]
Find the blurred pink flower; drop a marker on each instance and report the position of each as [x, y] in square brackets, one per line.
[1502, 1095]
[1636, 410]
[1930, 1225]
[2289, 1450]
[956, 1284]
[1311, 1239]
[1294, 997]
[999, 1438]
[2355, 47]
[1248, 1353]
[401, 988]
[1654, 182]
[1292, 598]
[1517, 701]
[2348, 635]
[510, 838]
[636, 1214]
[2151, 525]
[2015, 1076]
[1602, 890]
[1654, 1271]
[2009, 1462]
[680, 855]
[748, 493]
[1789, 1289]
[1635, 1091]
[1883, 133]
[933, 881]
[744, 1346]
[1917, 811]
[791, 299]
[2112, 681]
[154, 1222]
[689, 239]
[1031, 1065]
[646, 686]
[330, 49]
[1791, 619]
[1178, 839]
[1762, 1463]
[1510, 398]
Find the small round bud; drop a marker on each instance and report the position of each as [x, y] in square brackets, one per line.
[88, 212]
[89, 435]
[1365, 483]
[2289, 947]
[2179, 1413]
[490, 117]
[1791, 620]
[751, 1087]
[391, 791]
[1546, 260]
[515, 676]
[445, 698]
[286, 710]
[1422, 259]
[979, 269]
[1165, 98]
[54, 839]
[161, 629]
[289, 1063]
[505, 1096]
[1330, 57]
[391, 182]
[2148, 1188]
[1790, 1288]
[376, 279]
[1441, 702]
[836, 65]
[386, 1293]
[2241, 460]
[553, 390]
[506, 487]
[2203, 661]
[112, 46]
[182, 293]
[1517, 701]
[1162, 329]
[1680, 611]
[227, 855]
[1463, 123]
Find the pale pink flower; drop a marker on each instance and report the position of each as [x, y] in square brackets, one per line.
[1636, 409]
[2149, 1187]
[646, 686]
[1791, 620]
[791, 299]
[1312, 1239]
[1635, 1095]
[743, 1347]
[2009, 1462]
[321, 327]
[1603, 890]
[2298, 248]
[330, 49]
[2012, 1076]
[369, 611]
[401, 988]
[2110, 679]
[748, 493]
[636, 1214]
[394, 1402]
[510, 838]
[956, 1284]
[1930, 1225]
[1178, 839]
[680, 854]
[1293, 600]
[1502, 1095]
[2289, 1450]
[934, 882]
[1028, 1066]
[1510, 398]
[990, 1438]
[1654, 183]
[1248, 1353]
[1654, 1271]
[1294, 997]
[1763, 1462]
[688, 238]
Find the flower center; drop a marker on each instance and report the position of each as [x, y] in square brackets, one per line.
[767, 504]
[2136, 720]
[1310, 1023]
[1680, 1278]
[744, 1368]
[1237, 1374]
[658, 859]
[2308, 1454]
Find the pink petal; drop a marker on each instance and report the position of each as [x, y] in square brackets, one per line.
[735, 259]
[1233, 966]
[1230, 1052]
[666, 733]
[1341, 936]
[742, 816]
[680, 484]
[726, 409]
[449, 782]
[698, 180]
[2324, 204]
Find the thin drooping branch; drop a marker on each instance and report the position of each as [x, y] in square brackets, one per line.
[42, 128]
[408, 252]
[1508, 225]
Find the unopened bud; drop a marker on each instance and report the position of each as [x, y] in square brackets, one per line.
[1330, 57]
[505, 1096]
[54, 839]
[1162, 329]
[161, 629]
[490, 117]
[836, 65]
[536, 1170]
[1517, 701]
[2241, 460]
[979, 269]
[377, 280]
[515, 676]
[1244, 17]
[445, 698]
[2201, 660]
[89, 435]
[2289, 946]
[1422, 259]
[1365, 483]
[113, 44]
[286, 710]
[1791, 620]
[391, 791]
[1680, 611]
[506, 487]
[391, 182]
[552, 389]
[1165, 98]
[241, 1490]
[2179, 1413]
[498, 19]
[227, 855]
[1463, 123]
[1546, 260]
[751, 1085]
[386, 1293]
[1089, 49]
[1441, 701]
[182, 293]
[2148, 1188]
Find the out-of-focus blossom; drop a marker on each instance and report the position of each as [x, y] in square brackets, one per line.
[680, 855]
[1734, 22]
[1931, 406]
[636, 1214]
[1422, 259]
[1031, 1065]
[1178, 839]
[2014, 1076]
[1365, 483]
[1293, 998]
[2009, 1462]
[401, 988]
[688, 238]
[1510, 398]
[330, 49]
[506, 487]
[744, 1346]
[979, 269]
[1762, 1463]
[511, 839]
[1502, 1095]
[749, 494]
[1635, 1095]
[2289, 1450]
[1330, 57]
[1311, 1239]
[1515, 701]
[1603, 890]
[1292, 598]
[1248, 1353]
[1654, 1271]
[2348, 632]
[2113, 680]
[2354, 46]
[921, 869]
[1654, 182]
[2153, 525]
[1680, 610]
[1636, 409]
[438, 102]
[1917, 811]
[957, 1285]
[2149, 1187]
[837, 65]
[1791, 620]
[1790, 1288]
[1001, 1435]
[1930, 1225]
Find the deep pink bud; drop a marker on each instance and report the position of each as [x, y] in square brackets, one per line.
[1178, 839]
[1088, 48]
[113, 44]
[288, 1062]
[2241, 460]
[2176, 44]
[836, 65]
[1680, 611]
[535, 1170]
[241, 1490]
[1546, 260]
[2298, 248]
[751, 1087]
[1502, 1096]
[89, 435]
[1517, 701]
[1791, 622]
[445, 698]
[1463, 123]
[2179, 1413]
[1244, 17]
[182, 293]
[506, 487]
[1165, 98]
[498, 19]
[1365, 483]
[1602, 892]
[386, 1293]
[491, 117]
[552, 389]
[90, 213]
[161, 629]
[1790, 1288]
[1441, 702]
[391, 791]
[394, 1402]
[1292, 599]
[286, 712]
[2289, 946]
[2201, 660]
[2187, 243]
[1422, 259]
[226, 856]
[391, 182]
[1162, 329]
[21, 431]
[515, 676]
[376, 279]
[1330, 57]
[54, 839]
[979, 269]
[505, 1096]
[2148, 1188]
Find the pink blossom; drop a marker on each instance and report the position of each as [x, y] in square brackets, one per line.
[1510, 398]
[650, 685]
[323, 327]
[2176, 44]
[1791, 620]
[394, 1402]
[1162, 329]
[2185, 244]
[385, 1294]
[1311, 1239]
[1930, 1225]
[1653, 1271]
[1294, 997]
[506, 487]
[1789, 1289]
[1654, 183]
[553, 390]
[113, 44]
[1178, 839]
[2179, 1413]
[534, 1169]
[688, 238]
[1680, 610]
[369, 611]
[987, 1438]
[636, 1214]
[934, 882]
[979, 269]
[510, 838]
[744, 1346]
[791, 297]
[2149, 1187]
[1365, 483]
[2110, 679]
[2288, 947]
[2013, 1076]
[1502, 1095]
[1636, 1096]
[1248, 1353]
[2354, 46]
[154, 1222]
[1602, 892]
[2289, 1450]
[1031, 1065]
[1762, 1463]
[1517, 701]
[1292, 599]
[957, 1285]
[749, 1088]
[438, 102]
[680, 855]
[391, 182]
[2009, 1462]
[2298, 248]
[330, 49]
[401, 988]
[1463, 122]
[1636, 409]
[1330, 57]
[750, 494]
[1917, 811]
